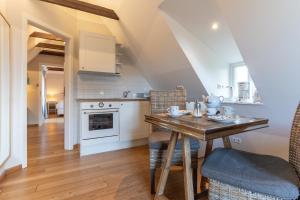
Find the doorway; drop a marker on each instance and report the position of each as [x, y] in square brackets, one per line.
[45, 93]
[53, 84]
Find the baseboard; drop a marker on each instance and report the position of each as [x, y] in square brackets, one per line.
[10, 171]
[88, 147]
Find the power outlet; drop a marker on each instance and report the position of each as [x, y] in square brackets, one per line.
[101, 93]
[236, 140]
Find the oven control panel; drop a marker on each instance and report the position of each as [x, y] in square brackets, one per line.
[99, 105]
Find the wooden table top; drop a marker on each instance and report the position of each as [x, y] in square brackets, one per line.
[204, 129]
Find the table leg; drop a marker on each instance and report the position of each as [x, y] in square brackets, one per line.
[226, 142]
[187, 167]
[208, 149]
[166, 166]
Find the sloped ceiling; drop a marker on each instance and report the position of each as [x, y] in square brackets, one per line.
[153, 45]
[209, 51]
[156, 50]
[197, 17]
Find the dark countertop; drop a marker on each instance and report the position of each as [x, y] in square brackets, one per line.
[113, 99]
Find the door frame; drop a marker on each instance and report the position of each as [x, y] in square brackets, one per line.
[68, 76]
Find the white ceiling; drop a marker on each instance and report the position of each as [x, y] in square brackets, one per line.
[111, 4]
[197, 16]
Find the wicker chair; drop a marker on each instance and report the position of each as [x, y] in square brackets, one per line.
[221, 190]
[159, 138]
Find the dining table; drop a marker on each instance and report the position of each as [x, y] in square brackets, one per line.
[203, 129]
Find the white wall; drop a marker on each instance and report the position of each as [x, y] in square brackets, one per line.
[55, 86]
[3, 6]
[5, 92]
[267, 33]
[95, 86]
[210, 68]
[206, 13]
[209, 51]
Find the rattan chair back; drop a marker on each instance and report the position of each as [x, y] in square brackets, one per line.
[294, 157]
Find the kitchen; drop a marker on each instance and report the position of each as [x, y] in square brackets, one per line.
[119, 56]
[112, 94]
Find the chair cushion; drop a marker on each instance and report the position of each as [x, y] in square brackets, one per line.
[160, 140]
[263, 174]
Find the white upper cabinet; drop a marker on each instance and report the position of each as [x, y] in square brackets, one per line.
[97, 53]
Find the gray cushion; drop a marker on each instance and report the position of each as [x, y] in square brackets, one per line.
[257, 173]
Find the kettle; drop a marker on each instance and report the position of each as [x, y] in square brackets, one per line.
[197, 109]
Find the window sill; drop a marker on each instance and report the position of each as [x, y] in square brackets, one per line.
[242, 103]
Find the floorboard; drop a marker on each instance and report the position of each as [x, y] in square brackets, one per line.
[56, 174]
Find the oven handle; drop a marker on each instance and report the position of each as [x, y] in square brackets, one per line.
[101, 112]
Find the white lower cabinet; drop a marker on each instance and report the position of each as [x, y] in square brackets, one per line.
[132, 124]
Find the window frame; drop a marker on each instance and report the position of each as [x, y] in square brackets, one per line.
[232, 81]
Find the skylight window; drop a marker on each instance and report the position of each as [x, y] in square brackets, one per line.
[243, 87]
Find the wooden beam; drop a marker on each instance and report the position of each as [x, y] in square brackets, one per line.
[45, 36]
[57, 69]
[86, 7]
[51, 46]
[52, 53]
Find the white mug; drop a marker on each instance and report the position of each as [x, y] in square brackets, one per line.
[173, 110]
[190, 106]
[227, 110]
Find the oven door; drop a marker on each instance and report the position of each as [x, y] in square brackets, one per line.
[100, 123]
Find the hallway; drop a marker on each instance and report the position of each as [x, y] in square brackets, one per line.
[56, 174]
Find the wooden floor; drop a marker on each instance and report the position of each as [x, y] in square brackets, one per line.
[56, 174]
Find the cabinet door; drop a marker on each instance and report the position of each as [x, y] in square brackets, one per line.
[97, 53]
[132, 124]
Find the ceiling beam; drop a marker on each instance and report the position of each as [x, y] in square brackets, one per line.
[57, 69]
[51, 46]
[45, 36]
[52, 53]
[86, 7]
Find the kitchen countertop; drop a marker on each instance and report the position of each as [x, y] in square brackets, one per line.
[113, 99]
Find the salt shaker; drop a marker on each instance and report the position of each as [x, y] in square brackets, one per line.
[197, 109]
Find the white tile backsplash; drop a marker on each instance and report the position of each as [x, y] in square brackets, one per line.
[91, 86]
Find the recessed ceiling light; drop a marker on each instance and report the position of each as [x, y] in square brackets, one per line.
[215, 26]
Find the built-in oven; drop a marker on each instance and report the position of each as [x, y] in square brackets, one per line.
[100, 120]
